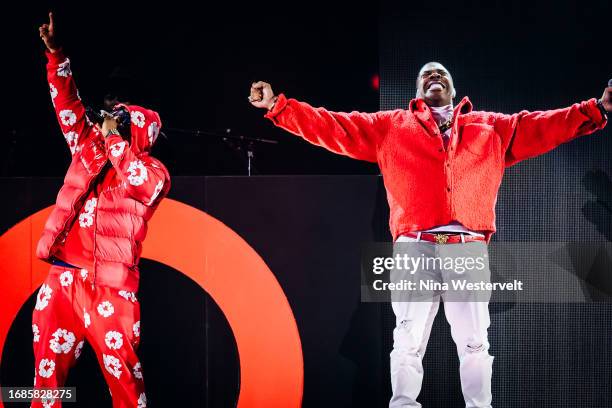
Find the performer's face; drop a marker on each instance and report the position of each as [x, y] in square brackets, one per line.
[435, 85]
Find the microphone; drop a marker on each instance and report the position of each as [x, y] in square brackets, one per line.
[97, 117]
[609, 82]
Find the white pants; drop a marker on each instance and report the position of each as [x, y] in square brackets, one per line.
[469, 322]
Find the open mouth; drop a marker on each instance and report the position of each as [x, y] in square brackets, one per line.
[435, 85]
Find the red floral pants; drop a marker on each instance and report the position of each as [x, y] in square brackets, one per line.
[70, 310]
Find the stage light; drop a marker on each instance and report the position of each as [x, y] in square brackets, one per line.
[375, 82]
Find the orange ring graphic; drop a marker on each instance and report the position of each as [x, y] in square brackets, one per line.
[217, 259]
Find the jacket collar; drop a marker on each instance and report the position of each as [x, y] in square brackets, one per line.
[419, 105]
[420, 109]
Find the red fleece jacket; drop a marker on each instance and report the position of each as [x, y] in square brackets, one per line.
[428, 186]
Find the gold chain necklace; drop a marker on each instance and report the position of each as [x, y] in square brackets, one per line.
[443, 127]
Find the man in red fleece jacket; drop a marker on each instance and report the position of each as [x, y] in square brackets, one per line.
[93, 239]
[442, 166]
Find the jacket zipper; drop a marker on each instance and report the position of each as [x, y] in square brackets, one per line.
[101, 176]
[450, 157]
[71, 216]
[93, 251]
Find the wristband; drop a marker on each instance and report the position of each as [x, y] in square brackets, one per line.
[273, 104]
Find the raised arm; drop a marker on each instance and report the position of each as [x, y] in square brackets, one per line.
[64, 95]
[529, 134]
[354, 134]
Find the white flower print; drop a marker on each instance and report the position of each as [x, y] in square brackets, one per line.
[106, 308]
[63, 69]
[86, 218]
[67, 117]
[62, 341]
[136, 329]
[90, 205]
[153, 132]
[138, 118]
[158, 188]
[36, 333]
[128, 295]
[113, 340]
[84, 274]
[117, 149]
[53, 91]
[44, 294]
[86, 318]
[72, 138]
[78, 349]
[47, 402]
[66, 278]
[112, 365]
[142, 400]
[138, 173]
[137, 370]
[46, 368]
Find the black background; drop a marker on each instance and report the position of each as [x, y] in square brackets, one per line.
[194, 63]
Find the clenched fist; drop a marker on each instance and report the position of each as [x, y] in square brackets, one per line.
[262, 95]
[47, 34]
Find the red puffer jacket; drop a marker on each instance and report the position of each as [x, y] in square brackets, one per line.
[428, 185]
[110, 191]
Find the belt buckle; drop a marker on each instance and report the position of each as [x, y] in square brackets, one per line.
[441, 238]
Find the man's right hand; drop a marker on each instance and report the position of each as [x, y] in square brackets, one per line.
[262, 95]
[47, 34]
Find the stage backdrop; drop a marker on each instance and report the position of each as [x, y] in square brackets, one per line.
[507, 56]
[309, 232]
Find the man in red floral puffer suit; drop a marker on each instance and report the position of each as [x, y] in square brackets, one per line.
[442, 167]
[93, 238]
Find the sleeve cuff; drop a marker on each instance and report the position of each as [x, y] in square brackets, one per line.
[591, 109]
[281, 104]
[111, 140]
[56, 57]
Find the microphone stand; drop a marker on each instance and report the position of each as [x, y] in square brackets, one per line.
[238, 143]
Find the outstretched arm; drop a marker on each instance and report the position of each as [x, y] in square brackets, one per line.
[529, 134]
[354, 134]
[64, 95]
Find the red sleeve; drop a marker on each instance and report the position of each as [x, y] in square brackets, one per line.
[146, 178]
[66, 101]
[354, 134]
[529, 134]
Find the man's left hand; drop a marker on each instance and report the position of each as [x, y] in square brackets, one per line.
[606, 99]
[110, 122]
